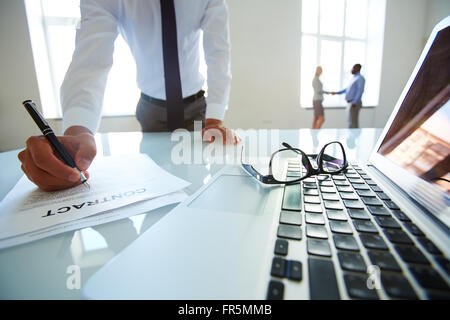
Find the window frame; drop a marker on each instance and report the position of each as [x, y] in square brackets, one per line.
[49, 90]
[340, 39]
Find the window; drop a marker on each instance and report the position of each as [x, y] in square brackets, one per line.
[336, 34]
[52, 25]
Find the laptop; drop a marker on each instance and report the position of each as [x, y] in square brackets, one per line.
[378, 230]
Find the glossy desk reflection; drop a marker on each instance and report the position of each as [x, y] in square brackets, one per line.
[39, 270]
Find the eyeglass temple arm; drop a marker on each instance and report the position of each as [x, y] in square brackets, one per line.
[304, 161]
[287, 145]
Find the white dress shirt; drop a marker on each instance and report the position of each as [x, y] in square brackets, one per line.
[139, 22]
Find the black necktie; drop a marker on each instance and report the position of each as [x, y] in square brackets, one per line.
[174, 96]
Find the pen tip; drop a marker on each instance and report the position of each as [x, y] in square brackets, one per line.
[87, 185]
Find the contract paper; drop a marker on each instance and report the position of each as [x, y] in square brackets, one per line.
[116, 182]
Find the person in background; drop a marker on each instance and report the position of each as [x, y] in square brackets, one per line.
[319, 116]
[353, 94]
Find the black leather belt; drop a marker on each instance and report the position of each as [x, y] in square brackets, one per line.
[162, 103]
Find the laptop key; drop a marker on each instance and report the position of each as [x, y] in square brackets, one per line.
[372, 241]
[315, 231]
[370, 182]
[376, 188]
[293, 174]
[348, 196]
[317, 208]
[383, 196]
[444, 263]
[385, 260]
[366, 193]
[330, 196]
[401, 216]
[340, 227]
[344, 242]
[310, 192]
[411, 254]
[356, 181]
[336, 215]
[391, 205]
[428, 277]
[414, 229]
[278, 267]
[289, 232]
[294, 270]
[357, 287]
[353, 204]
[378, 211]
[430, 246]
[397, 286]
[325, 183]
[341, 183]
[314, 218]
[370, 201]
[291, 198]
[387, 222]
[336, 205]
[361, 187]
[438, 295]
[281, 247]
[291, 217]
[352, 261]
[312, 199]
[327, 189]
[360, 214]
[275, 290]
[365, 226]
[344, 189]
[319, 247]
[397, 236]
[309, 185]
[322, 280]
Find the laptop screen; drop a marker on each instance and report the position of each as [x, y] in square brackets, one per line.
[418, 139]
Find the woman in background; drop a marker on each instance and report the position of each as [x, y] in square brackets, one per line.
[319, 117]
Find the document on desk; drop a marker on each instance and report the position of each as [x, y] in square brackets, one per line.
[116, 182]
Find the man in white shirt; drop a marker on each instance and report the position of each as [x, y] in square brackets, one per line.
[141, 24]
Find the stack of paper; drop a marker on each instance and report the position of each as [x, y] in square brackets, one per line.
[121, 186]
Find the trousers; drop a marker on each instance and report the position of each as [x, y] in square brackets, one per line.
[353, 115]
[153, 117]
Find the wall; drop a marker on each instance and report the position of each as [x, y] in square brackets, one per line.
[265, 64]
[17, 77]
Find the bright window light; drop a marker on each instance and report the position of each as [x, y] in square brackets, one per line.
[52, 26]
[336, 34]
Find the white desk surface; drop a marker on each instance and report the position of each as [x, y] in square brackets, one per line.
[37, 270]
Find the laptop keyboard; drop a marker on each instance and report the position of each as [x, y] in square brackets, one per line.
[351, 228]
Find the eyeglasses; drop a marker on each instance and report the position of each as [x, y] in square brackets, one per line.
[291, 165]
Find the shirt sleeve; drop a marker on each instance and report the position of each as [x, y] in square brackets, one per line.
[83, 88]
[216, 45]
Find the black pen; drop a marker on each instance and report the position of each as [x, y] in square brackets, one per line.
[50, 135]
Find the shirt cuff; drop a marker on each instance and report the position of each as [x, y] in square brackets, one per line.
[78, 116]
[215, 111]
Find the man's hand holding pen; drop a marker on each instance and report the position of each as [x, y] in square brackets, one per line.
[47, 171]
